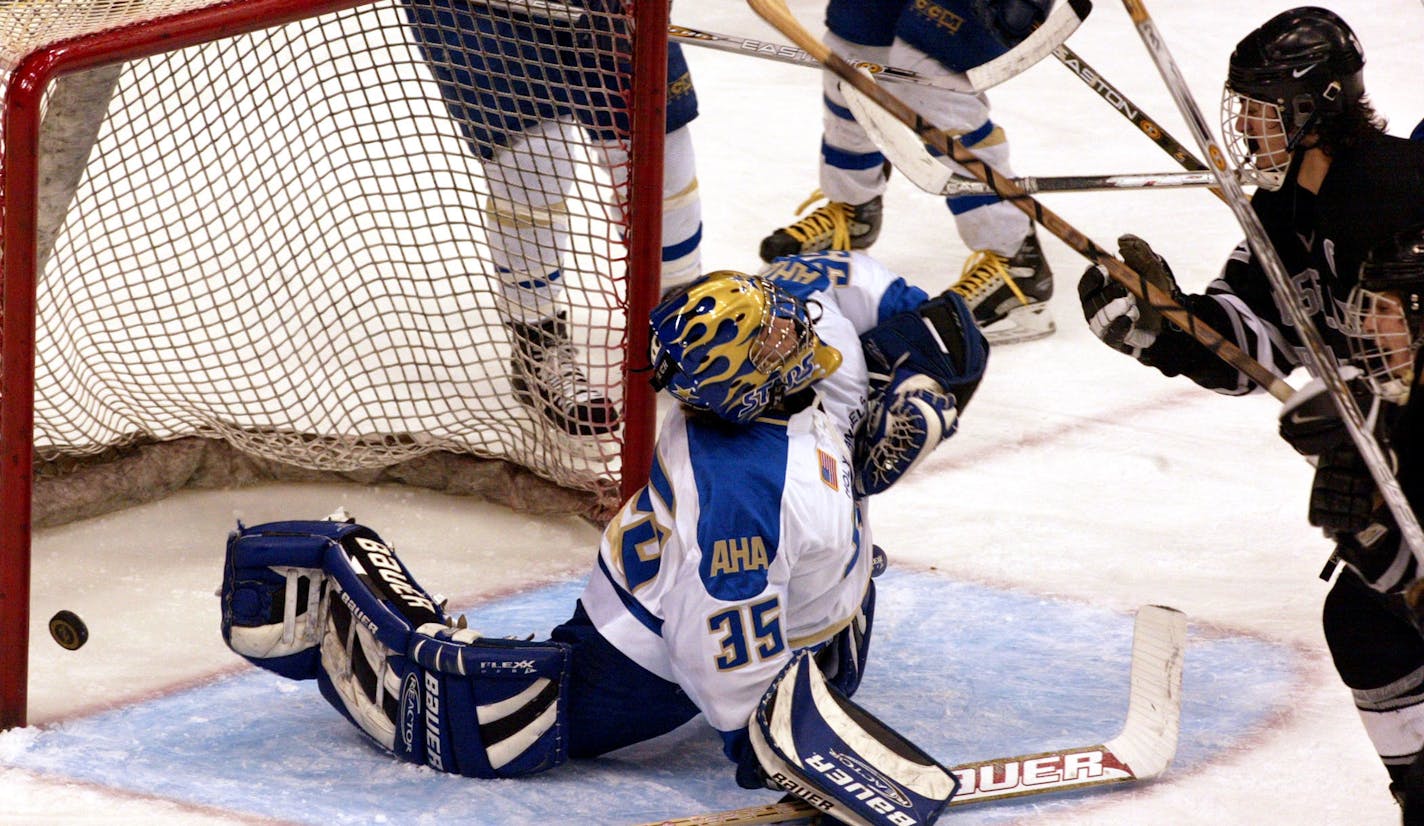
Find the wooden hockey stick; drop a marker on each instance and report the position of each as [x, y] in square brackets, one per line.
[907, 152]
[1143, 750]
[1044, 40]
[1319, 359]
[776, 13]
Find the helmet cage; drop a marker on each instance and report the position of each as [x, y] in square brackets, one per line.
[1249, 123]
[1383, 330]
[735, 345]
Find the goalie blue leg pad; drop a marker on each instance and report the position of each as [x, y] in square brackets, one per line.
[273, 582]
[613, 701]
[833, 754]
[503, 715]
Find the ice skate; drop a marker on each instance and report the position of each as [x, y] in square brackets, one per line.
[1009, 296]
[546, 378]
[832, 226]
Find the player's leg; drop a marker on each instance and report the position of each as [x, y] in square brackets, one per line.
[529, 170]
[810, 739]
[853, 173]
[527, 224]
[330, 601]
[613, 701]
[1380, 656]
[682, 201]
[1006, 280]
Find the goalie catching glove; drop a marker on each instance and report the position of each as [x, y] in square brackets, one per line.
[330, 601]
[924, 366]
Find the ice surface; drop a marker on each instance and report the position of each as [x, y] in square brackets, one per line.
[1080, 486]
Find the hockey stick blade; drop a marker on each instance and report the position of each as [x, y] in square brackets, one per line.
[1061, 23]
[1044, 40]
[907, 152]
[1141, 751]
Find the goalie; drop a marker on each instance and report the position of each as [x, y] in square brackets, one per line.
[737, 589]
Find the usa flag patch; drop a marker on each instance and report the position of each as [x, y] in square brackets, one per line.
[828, 469]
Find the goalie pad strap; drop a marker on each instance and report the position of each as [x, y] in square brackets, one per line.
[834, 755]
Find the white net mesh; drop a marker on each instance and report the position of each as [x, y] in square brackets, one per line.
[289, 241]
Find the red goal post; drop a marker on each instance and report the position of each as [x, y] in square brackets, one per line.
[197, 217]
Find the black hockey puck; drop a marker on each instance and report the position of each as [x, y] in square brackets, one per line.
[68, 630]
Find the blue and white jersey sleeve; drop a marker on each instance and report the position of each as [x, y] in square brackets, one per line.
[859, 287]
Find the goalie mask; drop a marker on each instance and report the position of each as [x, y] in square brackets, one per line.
[1299, 71]
[735, 345]
[1384, 317]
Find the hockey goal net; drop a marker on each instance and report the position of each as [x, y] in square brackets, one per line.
[259, 236]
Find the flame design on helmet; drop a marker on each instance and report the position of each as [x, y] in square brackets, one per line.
[717, 345]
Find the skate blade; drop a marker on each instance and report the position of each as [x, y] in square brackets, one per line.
[1027, 323]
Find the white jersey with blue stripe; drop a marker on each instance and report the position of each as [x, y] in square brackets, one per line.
[748, 542]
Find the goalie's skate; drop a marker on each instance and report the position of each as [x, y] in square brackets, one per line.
[1009, 296]
[546, 378]
[832, 226]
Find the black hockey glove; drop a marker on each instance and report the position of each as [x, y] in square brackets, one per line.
[1310, 422]
[1345, 503]
[1117, 317]
[1013, 20]
[1343, 500]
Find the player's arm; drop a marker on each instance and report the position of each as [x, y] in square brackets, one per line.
[1237, 304]
[1344, 501]
[924, 363]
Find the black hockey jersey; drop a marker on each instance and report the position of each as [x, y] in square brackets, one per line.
[1372, 190]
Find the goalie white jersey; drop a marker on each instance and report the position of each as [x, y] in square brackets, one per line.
[748, 543]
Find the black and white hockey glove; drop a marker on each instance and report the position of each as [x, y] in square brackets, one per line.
[1310, 422]
[1117, 317]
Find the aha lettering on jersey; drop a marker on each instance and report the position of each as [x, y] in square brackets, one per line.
[746, 543]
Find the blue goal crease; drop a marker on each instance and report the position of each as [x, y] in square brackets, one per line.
[966, 671]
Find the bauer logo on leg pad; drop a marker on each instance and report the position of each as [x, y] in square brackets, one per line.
[830, 752]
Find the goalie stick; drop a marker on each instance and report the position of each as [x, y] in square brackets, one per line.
[1143, 750]
[778, 15]
[1061, 23]
[1318, 357]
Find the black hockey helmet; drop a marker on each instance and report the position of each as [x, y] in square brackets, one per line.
[1397, 263]
[1307, 61]
[1384, 316]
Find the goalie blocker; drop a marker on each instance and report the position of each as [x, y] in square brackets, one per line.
[330, 601]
